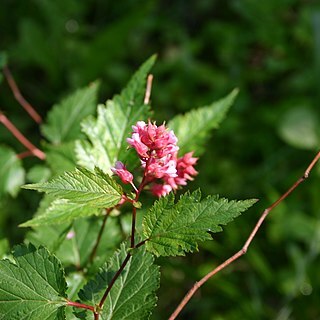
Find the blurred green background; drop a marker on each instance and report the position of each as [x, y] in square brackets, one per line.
[270, 50]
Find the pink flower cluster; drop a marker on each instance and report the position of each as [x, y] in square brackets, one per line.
[158, 151]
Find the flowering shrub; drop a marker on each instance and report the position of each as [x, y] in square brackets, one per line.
[157, 149]
[79, 260]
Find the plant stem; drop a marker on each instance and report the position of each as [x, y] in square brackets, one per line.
[24, 154]
[148, 89]
[80, 305]
[94, 250]
[141, 243]
[18, 96]
[133, 226]
[132, 239]
[244, 249]
[21, 138]
[113, 280]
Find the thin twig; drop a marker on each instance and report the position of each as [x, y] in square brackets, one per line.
[94, 250]
[18, 96]
[21, 138]
[141, 243]
[113, 280]
[148, 89]
[25, 154]
[244, 249]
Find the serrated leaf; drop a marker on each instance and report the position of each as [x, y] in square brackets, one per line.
[34, 287]
[63, 121]
[61, 211]
[95, 189]
[108, 132]
[175, 228]
[73, 242]
[193, 128]
[133, 294]
[11, 172]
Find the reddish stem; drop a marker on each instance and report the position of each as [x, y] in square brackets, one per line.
[132, 238]
[18, 96]
[244, 249]
[95, 248]
[141, 243]
[21, 138]
[25, 154]
[113, 280]
[80, 305]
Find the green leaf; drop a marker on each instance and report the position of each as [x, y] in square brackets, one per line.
[34, 287]
[61, 211]
[95, 189]
[73, 243]
[4, 247]
[193, 128]
[133, 294]
[175, 228]
[61, 157]
[38, 173]
[108, 132]
[11, 172]
[63, 121]
[78, 246]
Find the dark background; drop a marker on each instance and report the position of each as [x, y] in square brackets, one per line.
[270, 50]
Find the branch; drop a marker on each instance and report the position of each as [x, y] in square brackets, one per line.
[18, 96]
[21, 138]
[244, 249]
[113, 280]
[148, 89]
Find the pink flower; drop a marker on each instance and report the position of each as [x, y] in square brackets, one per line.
[149, 138]
[185, 171]
[164, 167]
[120, 170]
[140, 147]
[160, 190]
[158, 152]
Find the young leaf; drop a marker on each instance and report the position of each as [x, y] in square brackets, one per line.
[11, 172]
[95, 189]
[32, 288]
[63, 121]
[193, 128]
[108, 132]
[61, 211]
[133, 294]
[175, 228]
